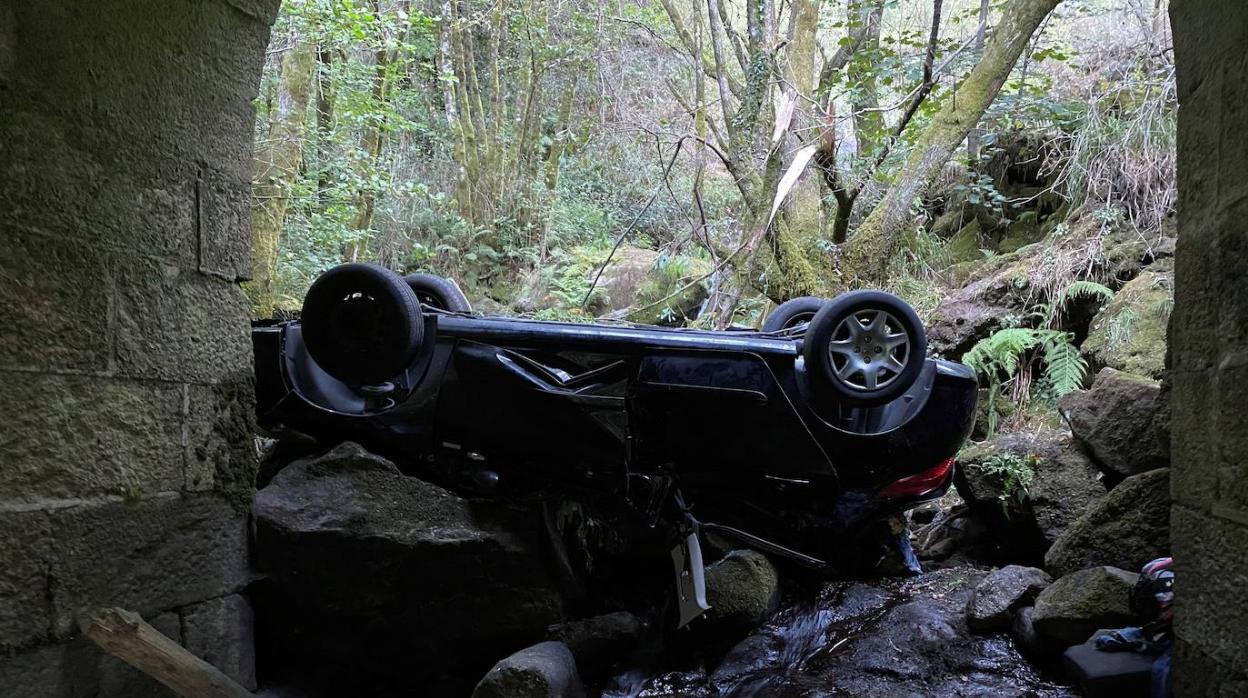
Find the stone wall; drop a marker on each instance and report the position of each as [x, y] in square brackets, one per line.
[1209, 349]
[125, 440]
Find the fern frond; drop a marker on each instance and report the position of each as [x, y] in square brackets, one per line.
[1065, 367]
[1086, 289]
[1076, 290]
[1000, 351]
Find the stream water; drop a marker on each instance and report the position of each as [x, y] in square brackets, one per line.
[885, 638]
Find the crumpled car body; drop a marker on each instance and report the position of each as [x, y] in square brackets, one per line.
[721, 427]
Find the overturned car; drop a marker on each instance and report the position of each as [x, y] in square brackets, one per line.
[790, 439]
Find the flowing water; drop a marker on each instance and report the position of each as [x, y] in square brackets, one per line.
[884, 638]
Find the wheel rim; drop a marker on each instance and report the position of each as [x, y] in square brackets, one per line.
[869, 350]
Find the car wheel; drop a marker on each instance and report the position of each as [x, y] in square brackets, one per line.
[865, 347]
[438, 293]
[362, 323]
[792, 313]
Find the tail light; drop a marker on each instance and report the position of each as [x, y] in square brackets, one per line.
[920, 483]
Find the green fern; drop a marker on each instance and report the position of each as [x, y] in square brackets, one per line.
[1086, 289]
[1064, 366]
[999, 353]
[1074, 291]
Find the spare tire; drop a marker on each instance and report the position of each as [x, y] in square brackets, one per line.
[439, 293]
[865, 347]
[362, 323]
[793, 312]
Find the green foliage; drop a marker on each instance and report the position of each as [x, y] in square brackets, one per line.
[1120, 327]
[1084, 288]
[1015, 473]
[999, 357]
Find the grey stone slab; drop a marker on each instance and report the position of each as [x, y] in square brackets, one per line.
[69, 437]
[146, 556]
[54, 302]
[222, 632]
[224, 226]
[179, 325]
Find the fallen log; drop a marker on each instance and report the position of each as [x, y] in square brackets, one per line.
[128, 637]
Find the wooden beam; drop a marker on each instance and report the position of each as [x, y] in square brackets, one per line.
[127, 636]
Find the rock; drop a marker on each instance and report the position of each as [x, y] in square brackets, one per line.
[1120, 422]
[741, 589]
[376, 578]
[221, 632]
[1011, 284]
[952, 532]
[1130, 333]
[1075, 606]
[601, 641]
[892, 638]
[623, 277]
[1030, 643]
[545, 670]
[1024, 521]
[1002, 592]
[1126, 529]
[1108, 674]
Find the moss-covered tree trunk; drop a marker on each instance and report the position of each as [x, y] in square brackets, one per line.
[870, 250]
[277, 162]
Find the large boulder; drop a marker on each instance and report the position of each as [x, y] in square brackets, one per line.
[1130, 333]
[623, 277]
[1121, 422]
[545, 670]
[1006, 287]
[1127, 528]
[995, 599]
[1075, 606]
[374, 578]
[1027, 488]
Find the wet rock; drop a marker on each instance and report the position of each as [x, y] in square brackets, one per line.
[994, 600]
[1075, 606]
[952, 535]
[1121, 423]
[1126, 529]
[1024, 519]
[1130, 333]
[376, 579]
[601, 641]
[545, 670]
[1030, 643]
[897, 638]
[741, 589]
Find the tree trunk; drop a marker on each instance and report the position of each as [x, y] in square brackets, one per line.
[974, 138]
[869, 252]
[276, 165]
[868, 119]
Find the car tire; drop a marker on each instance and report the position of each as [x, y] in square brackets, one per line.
[438, 293]
[793, 312]
[362, 323]
[865, 364]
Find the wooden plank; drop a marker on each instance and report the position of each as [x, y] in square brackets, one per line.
[127, 636]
